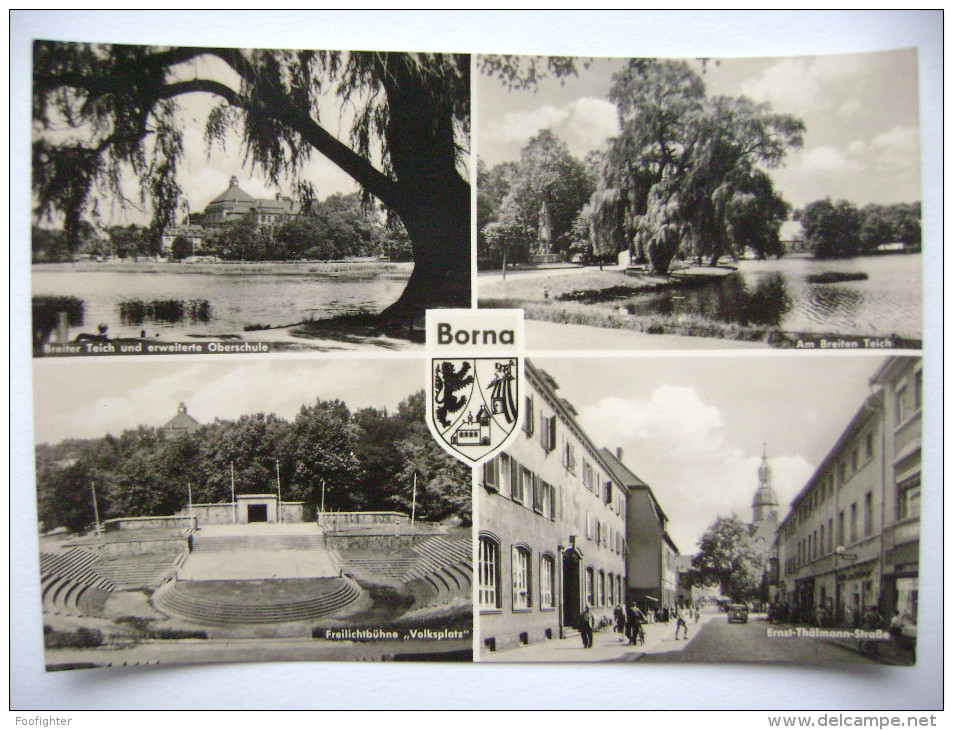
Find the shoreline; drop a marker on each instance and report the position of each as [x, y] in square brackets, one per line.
[589, 298]
[357, 266]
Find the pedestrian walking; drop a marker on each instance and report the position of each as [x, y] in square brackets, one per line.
[680, 622]
[586, 625]
[634, 618]
[620, 622]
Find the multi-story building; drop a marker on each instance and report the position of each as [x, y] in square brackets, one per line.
[233, 204]
[552, 527]
[651, 561]
[902, 381]
[832, 545]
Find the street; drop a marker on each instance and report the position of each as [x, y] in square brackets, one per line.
[712, 639]
[719, 641]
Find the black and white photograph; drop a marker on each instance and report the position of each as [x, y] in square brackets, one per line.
[663, 510]
[295, 199]
[710, 202]
[247, 511]
[356, 353]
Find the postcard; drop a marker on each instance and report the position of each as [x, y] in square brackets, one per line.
[470, 358]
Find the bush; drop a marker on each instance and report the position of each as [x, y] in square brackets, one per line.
[82, 638]
[177, 634]
[45, 311]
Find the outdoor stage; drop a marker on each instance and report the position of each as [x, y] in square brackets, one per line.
[258, 552]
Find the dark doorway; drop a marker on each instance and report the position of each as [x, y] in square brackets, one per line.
[258, 513]
[572, 595]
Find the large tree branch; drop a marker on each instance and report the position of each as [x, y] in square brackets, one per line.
[362, 171]
[272, 102]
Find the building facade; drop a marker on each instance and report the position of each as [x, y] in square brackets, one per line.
[844, 550]
[231, 205]
[902, 383]
[652, 558]
[552, 527]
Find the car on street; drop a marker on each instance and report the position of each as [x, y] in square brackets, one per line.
[738, 612]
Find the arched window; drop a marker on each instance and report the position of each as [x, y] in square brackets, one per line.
[489, 597]
[547, 582]
[522, 578]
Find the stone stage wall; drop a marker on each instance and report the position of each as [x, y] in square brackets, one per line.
[166, 546]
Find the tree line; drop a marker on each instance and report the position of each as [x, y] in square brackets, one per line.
[687, 176]
[365, 460]
[335, 228]
[841, 229]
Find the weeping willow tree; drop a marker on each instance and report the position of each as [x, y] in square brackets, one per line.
[684, 176]
[103, 111]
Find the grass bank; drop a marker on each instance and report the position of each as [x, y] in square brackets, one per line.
[595, 315]
[592, 297]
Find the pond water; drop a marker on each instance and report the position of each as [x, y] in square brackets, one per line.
[782, 294]
[280, 295]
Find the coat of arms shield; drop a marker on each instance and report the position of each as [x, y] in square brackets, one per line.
[473, 404]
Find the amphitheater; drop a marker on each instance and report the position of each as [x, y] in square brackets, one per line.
[174, 577]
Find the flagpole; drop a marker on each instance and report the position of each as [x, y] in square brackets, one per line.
[278, 471]
[92, 486]
[413, 506]
[322, 501]
[234, 505]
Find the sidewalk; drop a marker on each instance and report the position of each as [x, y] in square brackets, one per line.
[606, 646]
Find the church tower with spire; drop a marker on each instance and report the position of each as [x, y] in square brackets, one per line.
[764, 505]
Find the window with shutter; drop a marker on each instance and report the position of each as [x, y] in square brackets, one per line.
[529, 417]
[491, 475]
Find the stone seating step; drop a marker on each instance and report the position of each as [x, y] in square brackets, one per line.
[217, 612]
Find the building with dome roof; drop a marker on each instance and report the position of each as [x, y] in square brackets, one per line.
[232, 204]
[182, 422]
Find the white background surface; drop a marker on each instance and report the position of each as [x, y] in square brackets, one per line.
[313, 686]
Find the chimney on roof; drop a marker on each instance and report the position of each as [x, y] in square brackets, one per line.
[618, 453]
[278, 195]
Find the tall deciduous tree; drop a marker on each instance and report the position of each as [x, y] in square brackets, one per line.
[832, 228]
[119, 105]
[728, 558]
[681, 158]
[546, 175]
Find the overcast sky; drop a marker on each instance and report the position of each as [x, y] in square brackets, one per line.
[861, 113]
[83, 398]
[692, 427]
